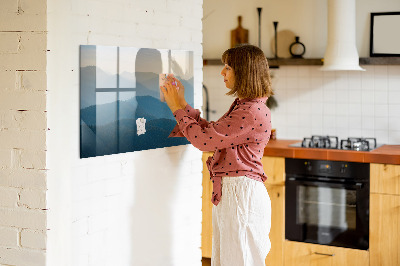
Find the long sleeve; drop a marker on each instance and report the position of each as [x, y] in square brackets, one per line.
[231, 130]
[193, 113]
[238, 139]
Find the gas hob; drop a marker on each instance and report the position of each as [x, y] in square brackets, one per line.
[332, 142]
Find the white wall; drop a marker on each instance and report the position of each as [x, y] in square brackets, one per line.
[311, 102]
[306, 19]
[140, 208]
[23, 133]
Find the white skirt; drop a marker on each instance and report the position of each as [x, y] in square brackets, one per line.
[241, 223]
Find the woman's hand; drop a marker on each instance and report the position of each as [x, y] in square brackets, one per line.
[181, 92]
[173, 95]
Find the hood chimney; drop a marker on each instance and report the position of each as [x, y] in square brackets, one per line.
[341, 51]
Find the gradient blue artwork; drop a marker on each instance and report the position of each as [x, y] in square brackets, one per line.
[120, 106]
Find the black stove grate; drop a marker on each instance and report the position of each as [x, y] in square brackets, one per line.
[332, 142]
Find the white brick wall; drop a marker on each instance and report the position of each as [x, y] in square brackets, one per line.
[9, 237]
[140, 208]
[100, 209]
[33, 239]
[22, 132]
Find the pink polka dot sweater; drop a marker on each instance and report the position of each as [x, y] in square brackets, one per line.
[238, 139]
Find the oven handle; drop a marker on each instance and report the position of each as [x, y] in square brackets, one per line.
[357, 185]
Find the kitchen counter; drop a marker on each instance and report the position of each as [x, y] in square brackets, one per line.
[389, 154]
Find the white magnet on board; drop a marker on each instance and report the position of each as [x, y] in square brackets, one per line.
[141, 126]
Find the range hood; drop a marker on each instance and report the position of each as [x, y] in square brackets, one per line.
[341, 51]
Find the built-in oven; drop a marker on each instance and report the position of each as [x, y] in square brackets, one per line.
[327, 202]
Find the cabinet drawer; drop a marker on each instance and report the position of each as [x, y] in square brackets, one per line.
[304, 254]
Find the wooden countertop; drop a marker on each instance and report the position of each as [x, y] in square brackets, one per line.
[389, 154]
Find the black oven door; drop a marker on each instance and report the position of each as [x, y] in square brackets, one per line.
[327, 212]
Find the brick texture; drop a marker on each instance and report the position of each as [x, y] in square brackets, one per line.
[23, 125]
[8, 197]
[33, 239]
[9, 237]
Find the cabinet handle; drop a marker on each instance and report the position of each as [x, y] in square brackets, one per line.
[324, 254]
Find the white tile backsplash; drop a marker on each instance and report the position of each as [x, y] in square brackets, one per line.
[382, 136]
[367, 109]
[304, 82]
[381, 83]
[394, 123]
[342, 109]
[342, 96]
[355, 109]
[380, 71]
[393, 71]
[342, 123]
[394, 82]
[394, 110]
[329, 109]
[368, 123]
[394, 137]
[394, 97]
[367, 96]
[343, 103]
[292, 83]
[355, 96]
[381, 96]
[381, 110]
[351, 103]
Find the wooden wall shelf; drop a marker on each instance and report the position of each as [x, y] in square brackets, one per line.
[274, 63]
[380, 61]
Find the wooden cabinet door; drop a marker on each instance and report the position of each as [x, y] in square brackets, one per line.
[277, 233]
[274, 168]
[304, 254]
[384, 237]
[385, 178]
[206, 226]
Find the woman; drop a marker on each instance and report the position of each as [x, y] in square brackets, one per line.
[242, 208]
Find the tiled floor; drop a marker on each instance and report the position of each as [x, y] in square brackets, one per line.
[206, 261]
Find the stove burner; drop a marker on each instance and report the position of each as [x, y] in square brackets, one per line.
[328, 142]
[358, 144]
[332, 142]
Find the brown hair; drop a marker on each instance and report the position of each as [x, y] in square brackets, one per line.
[250, 66]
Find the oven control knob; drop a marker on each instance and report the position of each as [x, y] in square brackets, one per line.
[308, 166]
[343, 168]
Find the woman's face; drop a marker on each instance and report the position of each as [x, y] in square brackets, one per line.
[229, 76]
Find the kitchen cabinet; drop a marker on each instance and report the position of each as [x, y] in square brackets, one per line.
[385, 215]
[385, 178]
[384, 221]
[385, 230]
[274, 168]
[206, 225]
[305, 254]
[277, 233]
